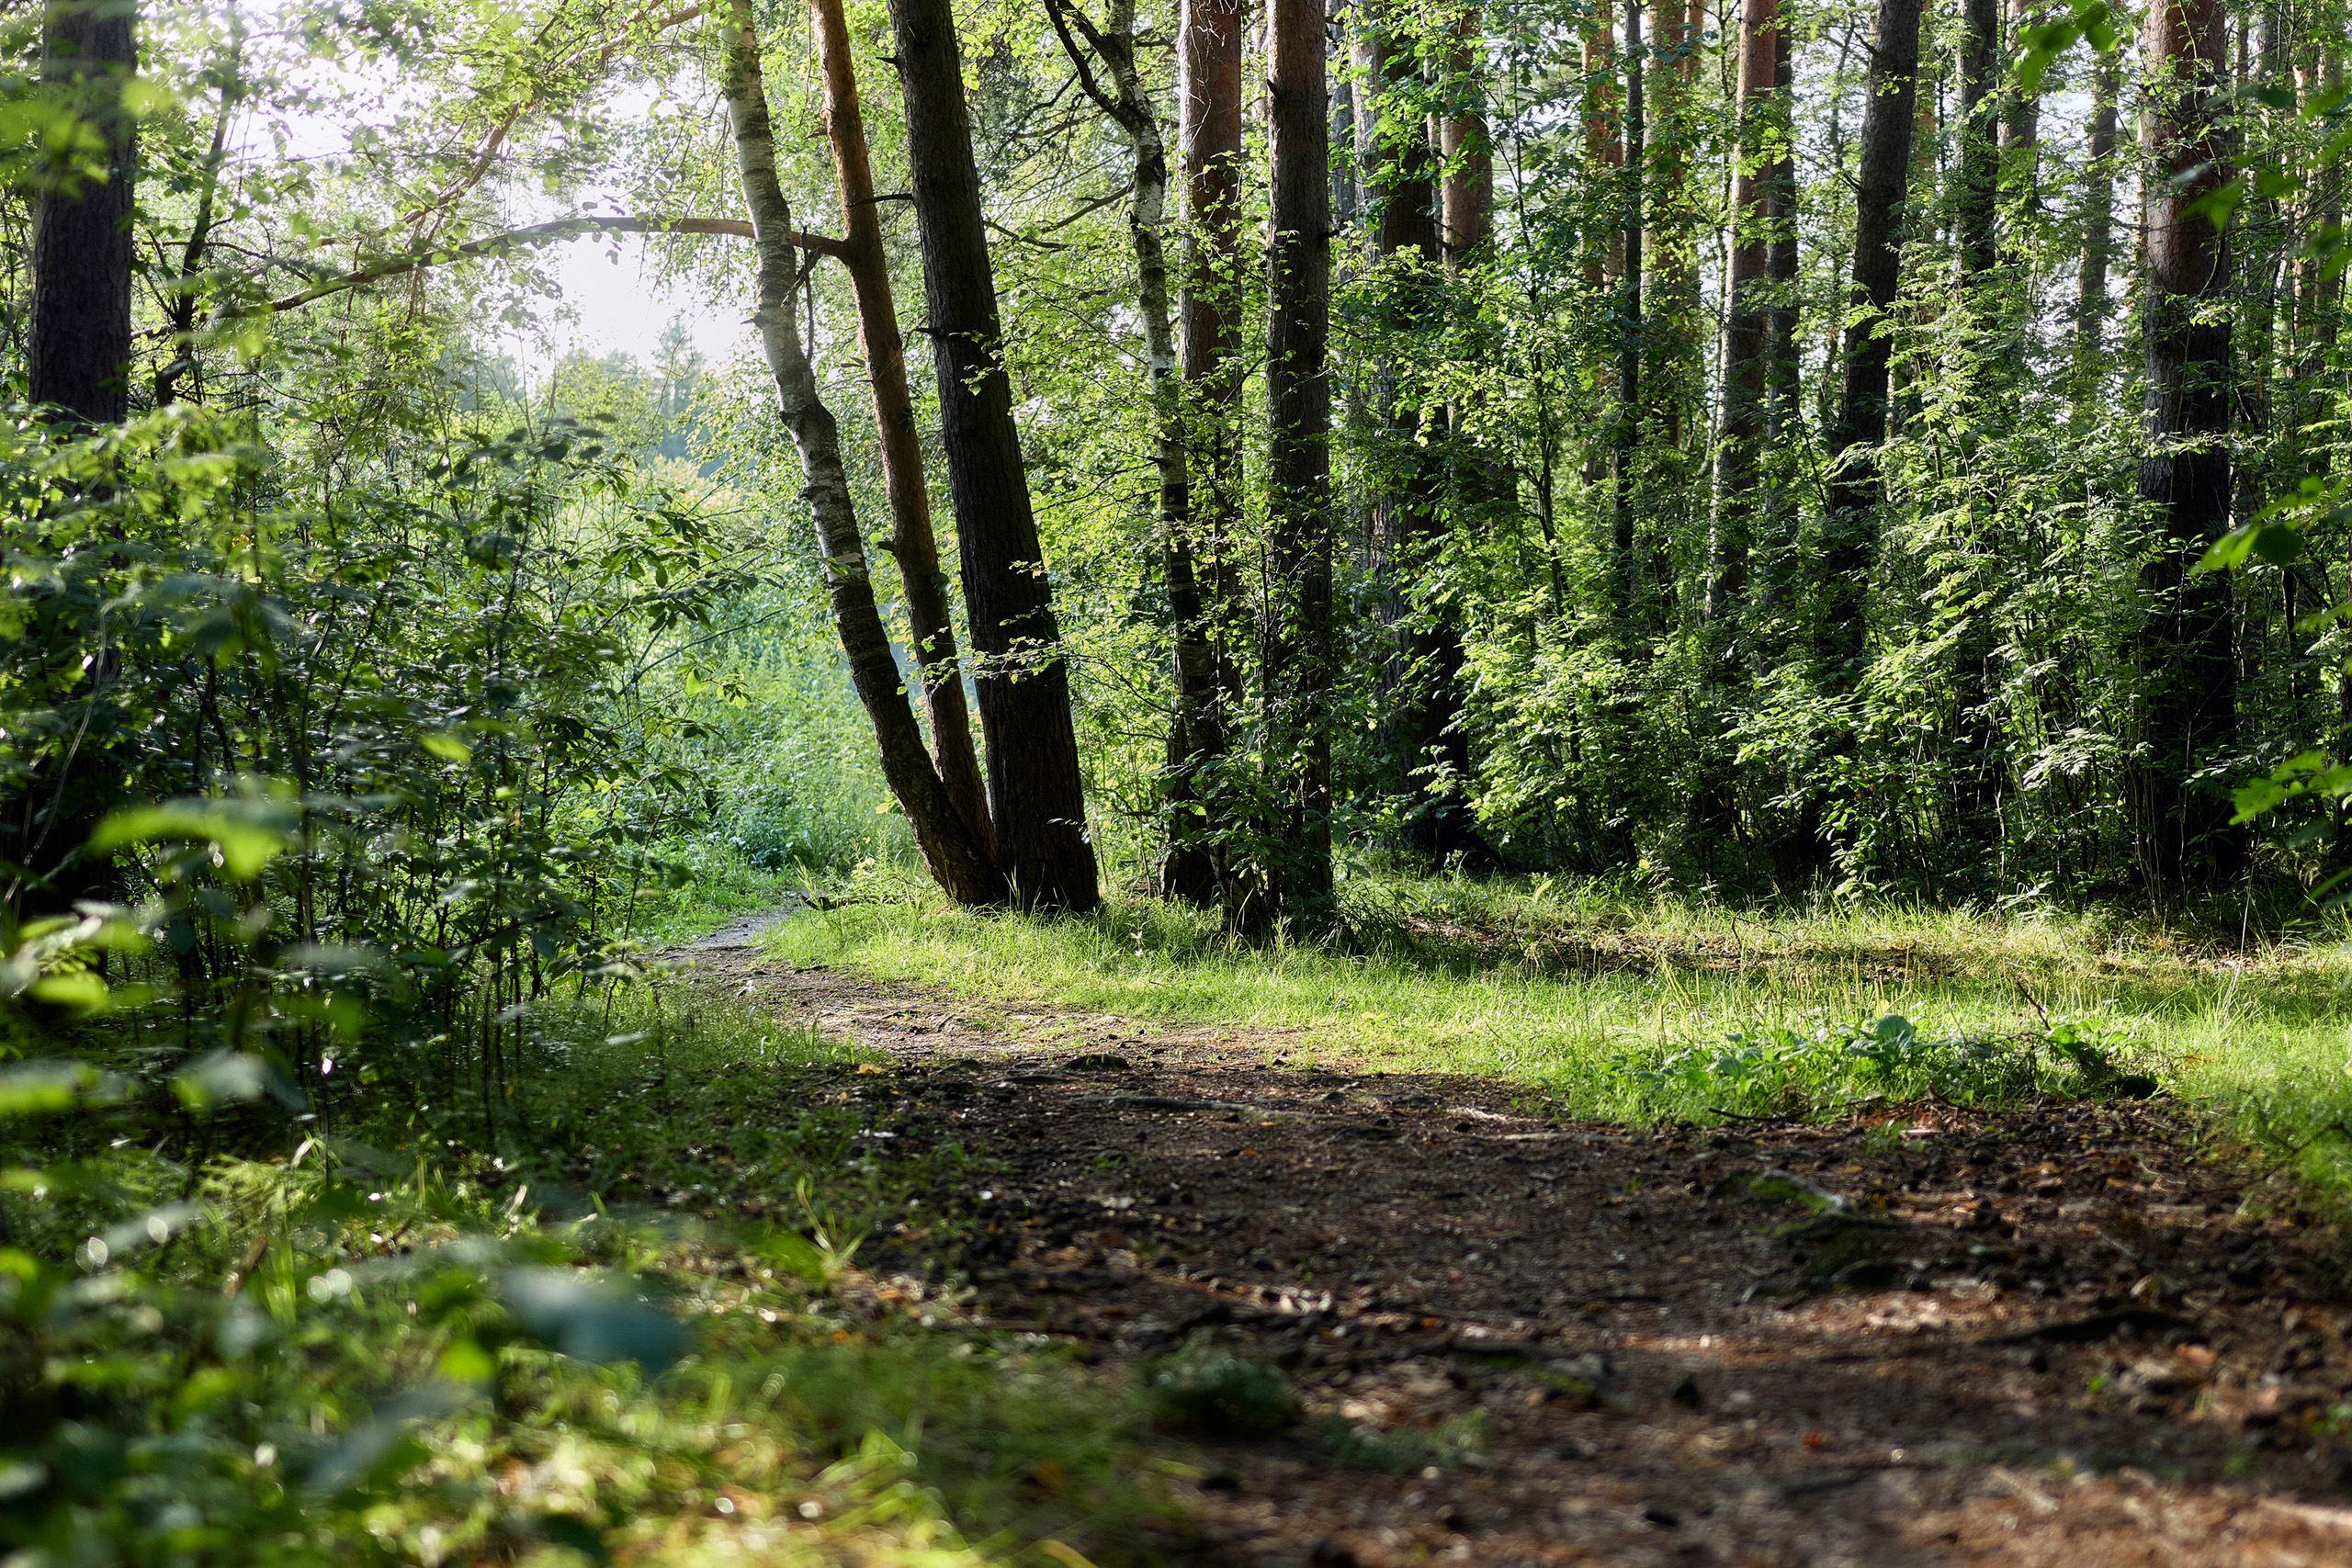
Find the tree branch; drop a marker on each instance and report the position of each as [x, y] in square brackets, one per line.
[536, 234]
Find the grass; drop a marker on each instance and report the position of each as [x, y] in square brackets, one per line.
[625, 1319]
[1584, 990]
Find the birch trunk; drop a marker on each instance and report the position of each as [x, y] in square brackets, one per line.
[949, 846]
[1196, 738]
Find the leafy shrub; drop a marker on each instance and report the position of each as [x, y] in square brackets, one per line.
[1793, 1070]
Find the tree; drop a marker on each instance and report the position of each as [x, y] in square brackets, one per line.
[2184, 651]
[950, 845]
[1036, 796]
[1848, 527]
[1299, 644]
[912, 542]
[79, 353]
[1209, 96]
[1747, 293]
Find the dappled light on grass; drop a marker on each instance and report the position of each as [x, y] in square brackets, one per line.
[1552, 982]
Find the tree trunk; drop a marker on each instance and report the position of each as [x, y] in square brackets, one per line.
[948, 844]
[1036, 796]
[1196, 731]
[1747, 302]
[1976, 175]
[1298, 664]
[2184, 652]
[1208, 362]
[79, 350]
[1848, 526]
[912, 542]
[2099, 233]
[1625, 564]
[1430, 747]
[1604, 145]
[2021, 117]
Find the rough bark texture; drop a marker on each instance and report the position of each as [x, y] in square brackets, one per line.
[2184, 653]
[1746, 322]
[79, 350]
[1298, 659]
[1467, 201]
[948, 844]
[1036, 794]
[2022, 116]
[912, 542]
[1848, 529]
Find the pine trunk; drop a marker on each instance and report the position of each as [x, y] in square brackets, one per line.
[1747, 328]
[1848, 529]
[1036, 796]
[2099, 233]
[79, 349]
[1298, 664]
[1624, 562]
[2184, 653]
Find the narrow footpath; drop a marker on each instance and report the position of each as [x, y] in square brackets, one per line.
[2059, 1334]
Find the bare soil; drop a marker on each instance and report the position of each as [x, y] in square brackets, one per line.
[2061, 1334]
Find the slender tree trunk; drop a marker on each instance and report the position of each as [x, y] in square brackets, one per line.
[2022, 118]
[1208, 354]
[79, 353]
[184, 299]
[1467, 201]
[2098, 234]
[1604, 146]
[1746, 348]
[1298, 665]
[1036, 796]
[1784, 372]
[1977, 175]
[1430, 749]
[911, 543]
[1196, 731]
[1623, 545]
[2184, 651]
[949, 846]
[1848, 529]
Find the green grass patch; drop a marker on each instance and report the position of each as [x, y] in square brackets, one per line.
[1635, 1006]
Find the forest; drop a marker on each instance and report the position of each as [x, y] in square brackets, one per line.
[1067, 781]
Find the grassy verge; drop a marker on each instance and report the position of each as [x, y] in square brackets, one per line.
[623, 1318]
[1643, 1007]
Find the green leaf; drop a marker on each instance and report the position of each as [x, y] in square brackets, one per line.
[2278, 546]
[2229, 550]
[248, 840]
[565, 1529]
[591, 1319]
[447, 746]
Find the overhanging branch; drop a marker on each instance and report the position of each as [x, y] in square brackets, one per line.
[536, 234]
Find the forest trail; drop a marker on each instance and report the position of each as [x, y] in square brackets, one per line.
[2046, 1335]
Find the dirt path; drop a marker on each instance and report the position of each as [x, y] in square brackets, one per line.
[2046, 1337]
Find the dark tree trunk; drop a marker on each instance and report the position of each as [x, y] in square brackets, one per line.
[79, 352]
[912, 542]
[1208, 361]
[1976, 174]
[1848, 527]
[1036, 796]
[1626, 563]
[949, 846]
[2184, 653]
[1298, 663]
[2021, 117]
[1746, 331]
[1430, 749]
